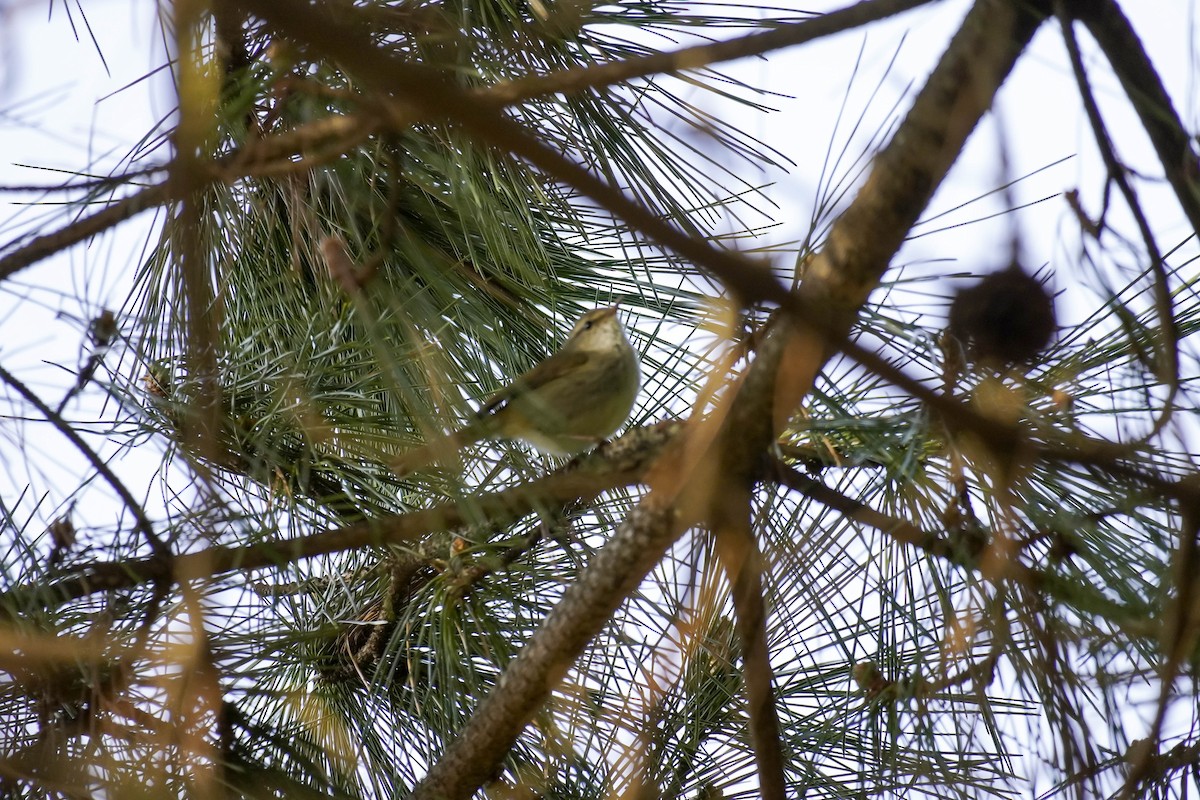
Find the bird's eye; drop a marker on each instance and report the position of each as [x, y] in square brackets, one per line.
[589, 324]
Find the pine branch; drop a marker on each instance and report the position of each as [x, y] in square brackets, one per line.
[620, 463]
[110, 216]
[142, 523]
[904, 178]
[743, 563]
[688, 59]
[1167, 360]
[1144, 88]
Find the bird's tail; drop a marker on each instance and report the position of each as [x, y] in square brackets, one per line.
[443, 450]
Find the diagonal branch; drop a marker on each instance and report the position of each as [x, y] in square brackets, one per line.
[586, 606]
[907, 172]
[703, 55]
[1168, 349]
[255, 158]
[743, 564]
[1144, 88]
[271, 155]
[620, 463]
[860, 247]
[142, 523]
[1134, 621]
[110, 216]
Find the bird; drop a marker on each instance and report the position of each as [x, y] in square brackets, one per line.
[569, 402]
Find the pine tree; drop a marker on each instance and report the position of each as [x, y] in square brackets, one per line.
[842, 549]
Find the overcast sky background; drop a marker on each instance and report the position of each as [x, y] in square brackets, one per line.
[69, 104]
[64, 109]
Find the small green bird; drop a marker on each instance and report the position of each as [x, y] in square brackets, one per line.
[569, 402]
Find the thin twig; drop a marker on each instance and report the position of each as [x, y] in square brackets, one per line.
[1168, 349]
[583, 482]
[1171, 141]
[271, 155]
[697, 57]
[142, 522]
[47, 245]
[1135, 623]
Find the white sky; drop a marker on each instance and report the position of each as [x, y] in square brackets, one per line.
[61, 110]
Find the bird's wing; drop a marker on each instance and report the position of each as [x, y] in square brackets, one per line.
[561, 363]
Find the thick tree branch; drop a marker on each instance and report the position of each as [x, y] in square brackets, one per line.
[907, 172]
[901, 183]
[586, 606]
